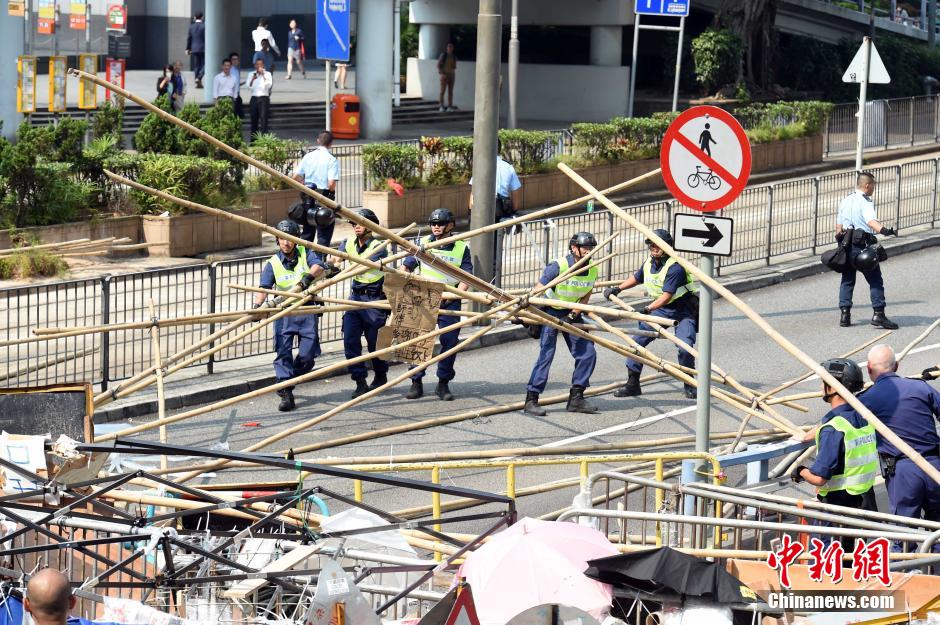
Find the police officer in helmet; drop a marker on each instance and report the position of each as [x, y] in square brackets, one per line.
[674, 297]
[366, 287]
[846, 463]
[857, 222]
[442, 223]
[575, 289]
[292, 265]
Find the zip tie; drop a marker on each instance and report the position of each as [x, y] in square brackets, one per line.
[154, 322]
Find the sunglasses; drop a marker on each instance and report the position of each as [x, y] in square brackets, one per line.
[439, 223]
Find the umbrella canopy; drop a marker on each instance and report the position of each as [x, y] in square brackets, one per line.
[666, 569]
[533, 563]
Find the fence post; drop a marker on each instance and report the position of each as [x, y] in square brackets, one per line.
[897, 197]
[105, 336]
[911, 121]
[933, 195]
[498, 251]
[546, 236]
[815, 213]
[610, 232]
[770, 221]
[212, 292]
[828, 137]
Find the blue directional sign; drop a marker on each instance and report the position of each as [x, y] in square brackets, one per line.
[333, 30]
[674, 8]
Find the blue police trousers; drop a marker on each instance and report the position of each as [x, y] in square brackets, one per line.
[286, 365]
[358, 323]
[876, 284]
[912, 492]
[685, 330]
[319, 235]
[445, 367]
[582, 350]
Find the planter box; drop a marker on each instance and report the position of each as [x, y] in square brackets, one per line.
[189, 235]
[117, 227]
[273, 204]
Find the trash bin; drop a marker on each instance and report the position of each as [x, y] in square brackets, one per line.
[344, 116]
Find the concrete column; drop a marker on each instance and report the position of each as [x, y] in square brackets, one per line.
[374, 67]
[11, 46]
[606, 45]
[223, 27]
[432, 38]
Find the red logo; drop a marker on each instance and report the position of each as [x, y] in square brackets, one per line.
[869, 560]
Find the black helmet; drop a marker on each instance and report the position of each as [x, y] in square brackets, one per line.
[866, 259]
[583, 239]
[289, 227]
[846, 372]
[662, 234]
[441, 216]
[368, 214]
[320, 216]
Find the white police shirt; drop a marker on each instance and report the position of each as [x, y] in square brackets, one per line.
[319, 167]
[507, 180]
[856, 210]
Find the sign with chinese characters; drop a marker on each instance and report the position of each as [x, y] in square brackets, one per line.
[26, 84]
[45, 22]
[77, 10]
[87, 90]
[58, 69]
[415, 303]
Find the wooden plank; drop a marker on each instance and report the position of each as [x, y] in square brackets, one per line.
[288, 561]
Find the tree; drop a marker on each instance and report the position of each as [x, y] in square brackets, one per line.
[753, 22]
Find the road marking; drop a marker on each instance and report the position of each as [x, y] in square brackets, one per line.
[622, 426]
[863, 363]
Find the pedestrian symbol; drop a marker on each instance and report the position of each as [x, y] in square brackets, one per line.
[705, 139]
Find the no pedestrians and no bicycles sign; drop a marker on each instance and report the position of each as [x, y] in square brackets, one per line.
[706, 158]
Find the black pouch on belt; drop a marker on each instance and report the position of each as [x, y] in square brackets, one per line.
[859, 238]
[887, 465]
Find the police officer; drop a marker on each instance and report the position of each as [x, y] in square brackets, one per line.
[366, 287]
[442, 224]
[318, 170]
[856, 220]
[576, 288]
[508, 188]
[908, 407]
[292, 265]
[674, 297]
[846, 455]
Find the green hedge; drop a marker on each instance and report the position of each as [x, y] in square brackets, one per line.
[199, 179]
[398, 161]
[278, 154]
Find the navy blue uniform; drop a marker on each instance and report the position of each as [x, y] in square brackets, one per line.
[582, 350]
[366, 321]
[830, 460]
[680, 309]
[303, 327]
[908, 408]
[445, 367]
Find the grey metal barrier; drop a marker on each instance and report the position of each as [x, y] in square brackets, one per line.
[889, 124]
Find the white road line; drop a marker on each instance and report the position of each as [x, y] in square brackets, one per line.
[864, 363]
[622, 426]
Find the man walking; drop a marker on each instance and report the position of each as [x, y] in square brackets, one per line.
[319, 170]
[576, 288]
[196, 48]
[225, 84]
[261, 34]
[260, 104]
[857, 222]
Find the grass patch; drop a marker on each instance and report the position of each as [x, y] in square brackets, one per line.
[31, 264]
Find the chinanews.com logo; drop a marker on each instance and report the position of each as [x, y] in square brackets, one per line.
[827, 563]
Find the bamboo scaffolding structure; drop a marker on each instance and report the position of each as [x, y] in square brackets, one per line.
[9, 375]
[762, 324]
[161, 397]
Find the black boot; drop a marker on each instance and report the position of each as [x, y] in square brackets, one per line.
[416, 391]
[631, 388]
[287, 400]
[576, 402]
[532, 405]
[690, 391]
[361, 389]
[380, 379]
[443, 391]
[880, 321]
[846, 319]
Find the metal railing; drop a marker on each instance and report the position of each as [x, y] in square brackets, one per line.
[781, 220]
[889, 124]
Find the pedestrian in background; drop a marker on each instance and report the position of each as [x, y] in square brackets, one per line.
[235, 58]
[295, 49]
[196, 48]
[178, 87]
[447, 71]
[265, 55]
[260, 104]
[165, 82]
[858, 222]
[260, 34]
[225, 84]
[319, 170]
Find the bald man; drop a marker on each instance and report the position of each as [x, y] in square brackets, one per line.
[49, 597]
[909, 407]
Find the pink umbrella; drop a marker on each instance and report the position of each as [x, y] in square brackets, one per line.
[535, 563]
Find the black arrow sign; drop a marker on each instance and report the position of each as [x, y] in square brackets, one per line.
[711, 236]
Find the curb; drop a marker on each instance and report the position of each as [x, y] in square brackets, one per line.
[182, 394]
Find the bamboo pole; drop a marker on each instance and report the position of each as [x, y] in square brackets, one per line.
[161, 397]
[765, 327]
[9, 375]
[44, 246]
[918, 340]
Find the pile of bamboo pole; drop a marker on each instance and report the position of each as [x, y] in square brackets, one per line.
[82, 247]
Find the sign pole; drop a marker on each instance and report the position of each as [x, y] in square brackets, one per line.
[328, 124]
[675, 87]
[636, 40]
[862, 97]
[704, 364]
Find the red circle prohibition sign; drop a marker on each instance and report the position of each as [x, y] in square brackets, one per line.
[674, 139]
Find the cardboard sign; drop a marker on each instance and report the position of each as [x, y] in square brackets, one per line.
[415, 303]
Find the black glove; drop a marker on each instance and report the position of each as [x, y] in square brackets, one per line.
[331, 270]
[644, 311]
[795, 474]
[574, 317]
[931, 373]
[305, 281]
[611, 291]
[885, 232]
[535, 331]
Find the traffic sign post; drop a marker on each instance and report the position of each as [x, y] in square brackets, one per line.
[706, 161]
[659, 8]
[866, 67]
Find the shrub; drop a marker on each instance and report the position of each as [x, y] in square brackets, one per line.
[279, 154]
[68, 138]
[596, 143]
[528, 149]
[59, 197]
[18, 169]
[201, 180]
[447, 160]
[717, 55]
[156, 134]
[109, 122]
[29, 263]
[766, 120]
[382, 161]
[186, 142]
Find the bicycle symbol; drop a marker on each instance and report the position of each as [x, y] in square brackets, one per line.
[706, 176]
